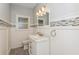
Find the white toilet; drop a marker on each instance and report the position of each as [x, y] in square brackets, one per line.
[25, 44]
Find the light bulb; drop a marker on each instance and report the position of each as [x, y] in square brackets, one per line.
[43, 8]
[44, 13]
[39, 11]
[41, 14]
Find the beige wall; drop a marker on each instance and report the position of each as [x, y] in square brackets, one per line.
[5, 12]
[4, 31]
[17, 36]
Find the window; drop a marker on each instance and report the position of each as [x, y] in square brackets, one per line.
[22, 22]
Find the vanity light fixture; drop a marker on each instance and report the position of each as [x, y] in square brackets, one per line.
[42, 11]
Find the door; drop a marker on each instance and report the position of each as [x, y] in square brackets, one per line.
[65, 42]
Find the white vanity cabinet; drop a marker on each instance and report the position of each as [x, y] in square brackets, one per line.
[39, 46]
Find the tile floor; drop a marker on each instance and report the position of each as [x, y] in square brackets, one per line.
[18, 51]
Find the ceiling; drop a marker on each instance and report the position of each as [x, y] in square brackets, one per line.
[28, 5]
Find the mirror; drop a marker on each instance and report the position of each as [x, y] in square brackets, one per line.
[43, 20]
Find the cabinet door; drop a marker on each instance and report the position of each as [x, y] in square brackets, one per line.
[3, 41]
[65, 42]
[33, 48]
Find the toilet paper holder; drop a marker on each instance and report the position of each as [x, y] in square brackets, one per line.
[53, 33]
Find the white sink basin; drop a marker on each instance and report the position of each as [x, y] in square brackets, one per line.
[38, 38]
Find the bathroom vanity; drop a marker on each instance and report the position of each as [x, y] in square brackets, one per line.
[39, 45]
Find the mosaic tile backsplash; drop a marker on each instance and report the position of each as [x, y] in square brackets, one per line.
[66, 22]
